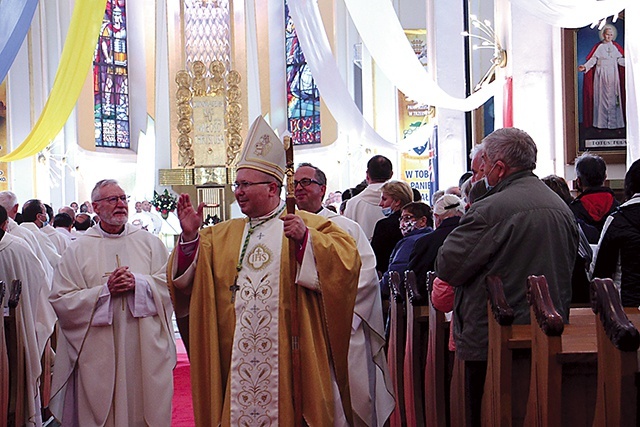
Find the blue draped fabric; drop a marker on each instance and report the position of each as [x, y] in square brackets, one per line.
[15, 20]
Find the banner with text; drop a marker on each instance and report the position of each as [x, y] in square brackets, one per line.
[419, 167]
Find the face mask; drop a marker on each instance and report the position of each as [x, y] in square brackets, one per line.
[407, 227]
[486, 180]
[387, 211]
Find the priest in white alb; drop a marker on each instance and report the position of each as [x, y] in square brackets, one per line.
[371, 388]
[116, 348]
[34, 312]
[233, 282]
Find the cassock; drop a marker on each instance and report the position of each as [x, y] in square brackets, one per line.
[240, 349]
[36, 315]
[115, 356]
[369, 381]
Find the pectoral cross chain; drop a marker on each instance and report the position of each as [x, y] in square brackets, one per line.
[234, 288]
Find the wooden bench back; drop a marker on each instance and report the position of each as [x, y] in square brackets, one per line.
[563, 363]
[618, 342]
[395, 351]
[436, 377]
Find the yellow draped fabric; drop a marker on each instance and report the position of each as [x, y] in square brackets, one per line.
[75, 63]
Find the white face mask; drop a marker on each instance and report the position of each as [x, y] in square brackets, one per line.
[387, 211]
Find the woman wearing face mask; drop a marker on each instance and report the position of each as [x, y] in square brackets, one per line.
[395, 194]
[415, 221]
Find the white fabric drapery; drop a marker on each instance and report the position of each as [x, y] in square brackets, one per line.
[317, 51]
[395, 57]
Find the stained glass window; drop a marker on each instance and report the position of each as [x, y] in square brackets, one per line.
[110, 79]
[303, 99]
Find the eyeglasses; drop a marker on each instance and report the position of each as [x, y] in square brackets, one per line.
[246, 184]
[305, 182]
[407, 217]
[113, 200]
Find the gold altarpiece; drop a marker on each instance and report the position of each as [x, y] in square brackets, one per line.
[207, 57]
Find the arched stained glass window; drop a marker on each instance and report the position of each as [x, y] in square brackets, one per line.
[110, 79]
[303, 99]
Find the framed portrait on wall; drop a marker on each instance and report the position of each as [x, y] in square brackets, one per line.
[594, 91]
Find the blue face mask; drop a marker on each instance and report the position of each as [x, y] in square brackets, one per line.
[387, 211]
[486, 180]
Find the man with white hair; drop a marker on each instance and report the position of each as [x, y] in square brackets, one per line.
[495, 237]
[116, 348]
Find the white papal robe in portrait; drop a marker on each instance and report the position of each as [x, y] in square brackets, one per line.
[371, 388]
[115, 356]
[607, 97]
[37, 318]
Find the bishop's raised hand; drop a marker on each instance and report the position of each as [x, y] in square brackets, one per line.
[190, 218]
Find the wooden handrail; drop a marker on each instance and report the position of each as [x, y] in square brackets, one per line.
[502, 311]
[622, 333]
[546, 315]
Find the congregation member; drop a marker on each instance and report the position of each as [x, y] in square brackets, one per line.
[618, 253]
[36, 316]
[447, 211]
[9, 201]
[236, 276]
[394, 195]
[371, 389]
[415, 222]
[495, 237]
[116, 349]
[580, 293]
[595, 201]
[34, 216]
[364, 208]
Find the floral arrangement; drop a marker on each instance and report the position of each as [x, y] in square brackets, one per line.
[164, 203]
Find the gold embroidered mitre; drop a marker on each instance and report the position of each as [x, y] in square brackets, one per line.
[263, 150]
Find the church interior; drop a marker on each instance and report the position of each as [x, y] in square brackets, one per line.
[173, 86]
[160, 94]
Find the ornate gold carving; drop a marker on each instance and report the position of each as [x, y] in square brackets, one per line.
[168, 177]
[183, 99]
[215, 82]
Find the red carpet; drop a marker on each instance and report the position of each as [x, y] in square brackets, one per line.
[182, 411]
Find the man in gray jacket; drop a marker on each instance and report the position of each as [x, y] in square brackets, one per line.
[518, 228]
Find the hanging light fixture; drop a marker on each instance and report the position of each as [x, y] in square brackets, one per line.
[488, 40]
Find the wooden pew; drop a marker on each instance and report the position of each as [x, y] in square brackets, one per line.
[395, 352]
[508, 362]
[509, 359]
[563, 363]
[618, 342]
[415, 352]
[436, 376]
